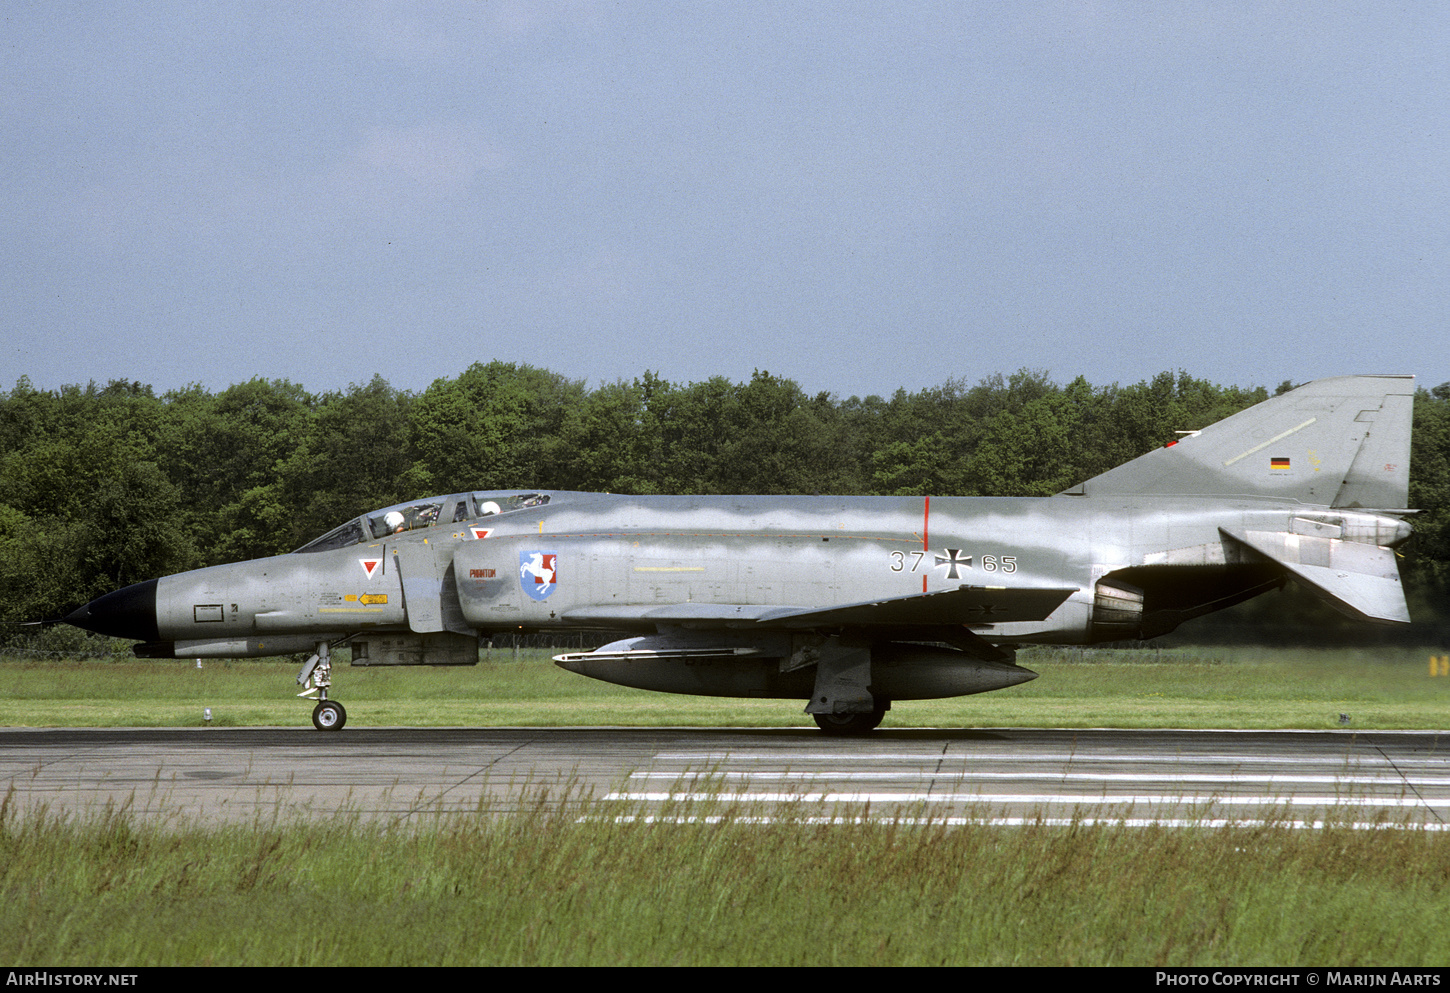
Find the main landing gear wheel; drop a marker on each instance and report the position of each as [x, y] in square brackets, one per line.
[849, 723]
[329, 715]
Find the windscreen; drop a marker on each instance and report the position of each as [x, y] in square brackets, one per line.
[403, 517]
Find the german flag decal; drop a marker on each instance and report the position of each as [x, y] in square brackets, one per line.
[1278, 462]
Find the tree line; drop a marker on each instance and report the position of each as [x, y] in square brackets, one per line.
[101, 486]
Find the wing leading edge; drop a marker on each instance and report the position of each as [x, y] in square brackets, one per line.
[969, 605]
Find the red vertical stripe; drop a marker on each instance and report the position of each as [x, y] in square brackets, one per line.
[925, 520]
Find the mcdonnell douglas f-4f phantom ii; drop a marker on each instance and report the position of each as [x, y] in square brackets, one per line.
[848, 603]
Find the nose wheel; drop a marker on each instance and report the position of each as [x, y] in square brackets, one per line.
[329, 715]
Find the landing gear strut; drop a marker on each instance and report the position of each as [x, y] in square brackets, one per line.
[316, 677]
[842, 701]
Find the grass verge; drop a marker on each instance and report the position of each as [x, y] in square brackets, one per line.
[1184, 688]
[570, 884]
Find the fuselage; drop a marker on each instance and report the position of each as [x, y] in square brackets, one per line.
[603, 561]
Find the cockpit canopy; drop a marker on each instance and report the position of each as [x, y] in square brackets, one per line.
[425, 513]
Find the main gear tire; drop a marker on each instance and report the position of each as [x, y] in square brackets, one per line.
[843, 724]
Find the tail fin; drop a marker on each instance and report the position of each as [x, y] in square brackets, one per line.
[1342, 442]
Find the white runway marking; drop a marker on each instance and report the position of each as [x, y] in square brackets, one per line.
[1227, 779]
[1069, 799]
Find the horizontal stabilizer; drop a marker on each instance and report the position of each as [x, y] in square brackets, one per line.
[1357, 578]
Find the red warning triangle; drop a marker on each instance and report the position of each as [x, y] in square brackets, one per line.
[370, 566]
[479, 533]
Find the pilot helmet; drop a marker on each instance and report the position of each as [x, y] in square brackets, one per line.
[393, 521]
[489, 507]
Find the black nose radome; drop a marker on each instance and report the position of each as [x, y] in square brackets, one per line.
[126, 613]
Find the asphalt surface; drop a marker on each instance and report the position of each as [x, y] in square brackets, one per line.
[999, 775]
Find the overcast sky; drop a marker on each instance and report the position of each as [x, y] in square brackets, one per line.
[857, 196]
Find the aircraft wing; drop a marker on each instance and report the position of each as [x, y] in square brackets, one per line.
[1357, 578]
[964, 605]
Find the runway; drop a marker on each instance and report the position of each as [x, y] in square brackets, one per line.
[1007, 776]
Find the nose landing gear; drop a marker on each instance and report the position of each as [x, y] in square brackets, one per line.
[316, 677]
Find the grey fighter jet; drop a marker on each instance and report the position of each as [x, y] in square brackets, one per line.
[848, 603]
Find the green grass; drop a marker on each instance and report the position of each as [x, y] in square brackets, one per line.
[570, 885]
[1185, 688]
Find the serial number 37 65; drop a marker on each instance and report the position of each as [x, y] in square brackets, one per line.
[952, 559]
